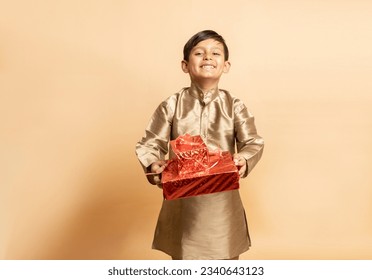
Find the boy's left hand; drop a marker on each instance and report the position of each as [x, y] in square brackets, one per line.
[241, 163]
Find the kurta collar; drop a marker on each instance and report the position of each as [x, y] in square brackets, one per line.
[204, 97]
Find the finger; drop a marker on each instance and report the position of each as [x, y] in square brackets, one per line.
[160, 169]
[239, 161]
[158, 164]
[157, 179]
[155, 166]
[242, 171]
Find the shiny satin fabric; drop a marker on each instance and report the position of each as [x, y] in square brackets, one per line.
[207, 227]
[211, 226]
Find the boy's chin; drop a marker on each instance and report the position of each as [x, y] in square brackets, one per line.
[208, 77]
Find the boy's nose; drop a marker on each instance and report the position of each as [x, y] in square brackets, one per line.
[207, 57]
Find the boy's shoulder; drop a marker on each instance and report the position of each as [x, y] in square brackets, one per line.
[176, 94]
[235, 101]
[226, 93]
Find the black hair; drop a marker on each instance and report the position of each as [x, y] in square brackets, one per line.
[201, 36]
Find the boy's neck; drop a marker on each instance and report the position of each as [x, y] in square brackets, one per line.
[206, 85]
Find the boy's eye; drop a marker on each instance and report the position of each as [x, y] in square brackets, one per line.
[198, 53]
[215, 53]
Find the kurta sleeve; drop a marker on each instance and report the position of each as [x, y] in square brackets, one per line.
[249, 143]
[154, 144]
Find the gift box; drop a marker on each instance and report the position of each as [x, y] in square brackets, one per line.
[196, 171]
[191, 153]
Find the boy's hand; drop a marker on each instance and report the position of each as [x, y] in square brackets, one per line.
[241, 163]
[157, 168]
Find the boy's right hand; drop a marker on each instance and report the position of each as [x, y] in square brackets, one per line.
[158, 167]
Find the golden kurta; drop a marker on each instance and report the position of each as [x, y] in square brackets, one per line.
[211, 226]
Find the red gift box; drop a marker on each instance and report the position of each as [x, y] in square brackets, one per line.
[191, 153]
[218, 173]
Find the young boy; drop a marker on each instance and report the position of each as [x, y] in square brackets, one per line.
[211, 226]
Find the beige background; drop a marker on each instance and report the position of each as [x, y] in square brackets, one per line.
[80, 79]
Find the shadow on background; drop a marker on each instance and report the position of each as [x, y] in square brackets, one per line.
[114, 219]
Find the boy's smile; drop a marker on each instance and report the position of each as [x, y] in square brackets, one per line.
[206, 63]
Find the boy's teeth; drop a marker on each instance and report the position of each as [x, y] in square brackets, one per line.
[208, 67]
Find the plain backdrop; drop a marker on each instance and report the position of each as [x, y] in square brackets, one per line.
[79, 81]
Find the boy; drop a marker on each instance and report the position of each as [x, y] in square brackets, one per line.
[211, 226]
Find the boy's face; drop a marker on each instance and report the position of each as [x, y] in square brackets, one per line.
[206, 62]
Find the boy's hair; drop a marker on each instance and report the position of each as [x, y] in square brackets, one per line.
[201, 36]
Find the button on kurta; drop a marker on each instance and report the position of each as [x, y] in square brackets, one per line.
[204, 122]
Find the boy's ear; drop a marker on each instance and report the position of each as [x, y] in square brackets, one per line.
[227, 66]
[184, 67]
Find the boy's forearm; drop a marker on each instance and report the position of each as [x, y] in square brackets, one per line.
[252, 153]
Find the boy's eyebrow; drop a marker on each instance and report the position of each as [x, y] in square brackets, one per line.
[203, 48]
